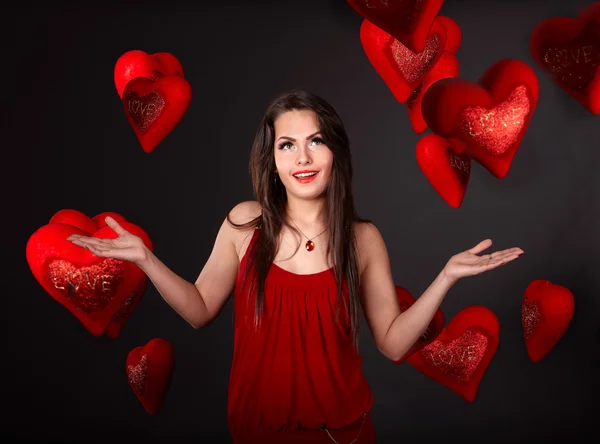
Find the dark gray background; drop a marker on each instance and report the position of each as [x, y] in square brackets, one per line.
[62, 112]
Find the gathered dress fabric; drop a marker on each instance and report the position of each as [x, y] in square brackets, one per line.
[296, 378]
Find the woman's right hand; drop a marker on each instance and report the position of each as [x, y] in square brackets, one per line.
[126, 246]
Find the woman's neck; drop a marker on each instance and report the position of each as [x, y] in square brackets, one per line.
[307, 213]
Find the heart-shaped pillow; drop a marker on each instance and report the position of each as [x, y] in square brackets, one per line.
[137, 63]
[461, 354]
[546, 312]
[408, 21]
[569, 50]
[150, 371]
[92, 288]
[401, 69]
[155, 108]
[446, 170]
[488, 118]
[406, 300]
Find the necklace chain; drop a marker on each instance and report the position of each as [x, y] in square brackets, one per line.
[309, 238]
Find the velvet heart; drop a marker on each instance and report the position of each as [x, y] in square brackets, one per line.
[408, 21]
[546, 312]
[446, 170]
[461, 354]
[150, 371]
[569, 50]
[92, 288]
[155, 108]
[487, 118]
[137, 63]
[401, 69]
[406, 300]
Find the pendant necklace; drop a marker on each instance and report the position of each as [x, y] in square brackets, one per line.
[310, 245]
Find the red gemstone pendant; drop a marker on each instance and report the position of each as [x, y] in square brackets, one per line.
[310, 245]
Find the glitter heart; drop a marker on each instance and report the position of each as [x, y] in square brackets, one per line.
[155, 108]
[400, 68]
[93, 289]
[569, 50]
[546, 312]
[149, 370]
[488, 118]
[498, 128]
[459, 357]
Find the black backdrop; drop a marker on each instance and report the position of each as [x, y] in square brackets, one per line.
[62, 112]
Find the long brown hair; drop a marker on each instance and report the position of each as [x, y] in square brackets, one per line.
[271, 195]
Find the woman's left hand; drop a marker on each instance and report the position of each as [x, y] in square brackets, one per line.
[468, 263]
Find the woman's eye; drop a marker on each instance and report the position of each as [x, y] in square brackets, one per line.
[318, 141]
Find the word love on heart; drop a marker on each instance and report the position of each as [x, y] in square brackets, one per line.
[497, 129]
[460, 357]
[144, 110]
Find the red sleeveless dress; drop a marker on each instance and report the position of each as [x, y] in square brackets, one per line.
[298, 373]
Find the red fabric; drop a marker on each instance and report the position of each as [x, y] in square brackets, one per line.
[298, 372]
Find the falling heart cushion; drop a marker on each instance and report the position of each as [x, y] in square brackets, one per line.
[446, 170]
[137, 63]
[461, 354]
[155, 108]
[569, 50]
[408, 21]
[406, 300]
[488, 118]
[546, 312]
[446, 67]
[150, 371]
[92, 288]
[401, 69]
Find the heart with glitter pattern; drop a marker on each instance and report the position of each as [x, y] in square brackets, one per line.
[401, 69]
[445, 169]
[149, 371]
[155, 108]
[137, 63]
[406, 300]
[569, 50]
[94, 289]
[461, 354]
[408, 21]
[487, 118]
[546, 312]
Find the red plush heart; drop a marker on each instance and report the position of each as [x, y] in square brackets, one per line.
[405, 299]
[138, 63]
[546, 312]
[401, 69]
[92, 288]
[460, 356]
[488, 118]
[446, 67]
[154, 108]
[149, 371]
[569, 49]
[447, 170]
[408, 21]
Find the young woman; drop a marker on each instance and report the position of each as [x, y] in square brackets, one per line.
[301, 265]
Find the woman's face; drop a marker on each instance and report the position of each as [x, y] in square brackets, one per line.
[302, 159]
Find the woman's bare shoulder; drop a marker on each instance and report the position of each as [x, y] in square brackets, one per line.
[241, 214]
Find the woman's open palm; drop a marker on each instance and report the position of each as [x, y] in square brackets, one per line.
[126, 246]
[469, 263]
